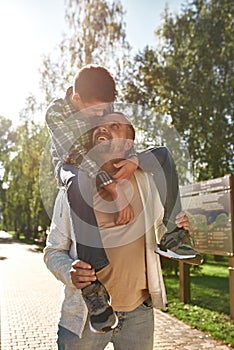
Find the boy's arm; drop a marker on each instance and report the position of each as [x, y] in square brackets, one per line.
[62, 123]
[127, 166]
[64, 141]
[125, 210]
[62, 137]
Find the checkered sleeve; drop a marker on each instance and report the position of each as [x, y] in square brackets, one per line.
[62, 137]
[69, 135]
[101, 176]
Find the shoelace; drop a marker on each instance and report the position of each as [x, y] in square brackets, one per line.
[186, 238]
[96, 301]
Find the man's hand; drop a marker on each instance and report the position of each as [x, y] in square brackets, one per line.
[125, 210]
[127, 168]
[182, 221]
[82, 274]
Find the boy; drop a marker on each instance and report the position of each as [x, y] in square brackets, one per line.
[93, 93]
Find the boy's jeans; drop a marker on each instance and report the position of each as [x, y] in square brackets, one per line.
[134, 331]
[80, 197]
[158, 161]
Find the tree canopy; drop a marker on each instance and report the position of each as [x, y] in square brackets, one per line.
[95, 35]
[178, 94]
[189, 77]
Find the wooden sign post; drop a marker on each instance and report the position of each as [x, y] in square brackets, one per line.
[210, 207]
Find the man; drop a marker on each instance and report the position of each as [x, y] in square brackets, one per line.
[69, 121]
[133, 277]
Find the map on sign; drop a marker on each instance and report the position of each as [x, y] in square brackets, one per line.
[208, 205]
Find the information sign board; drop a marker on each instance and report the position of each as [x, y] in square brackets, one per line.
[209, 207]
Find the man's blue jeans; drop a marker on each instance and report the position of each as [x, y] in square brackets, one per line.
[135, 331]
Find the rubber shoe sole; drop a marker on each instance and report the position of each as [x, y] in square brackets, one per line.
[104, 329]
[195, 260]
[170, 254]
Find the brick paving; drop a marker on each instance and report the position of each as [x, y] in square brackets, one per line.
[30, 303]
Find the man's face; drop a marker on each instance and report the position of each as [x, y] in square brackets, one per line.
[112, 135]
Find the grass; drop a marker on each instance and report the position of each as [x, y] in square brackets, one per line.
[209, 309]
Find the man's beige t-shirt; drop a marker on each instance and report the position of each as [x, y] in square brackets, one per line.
[125, 276]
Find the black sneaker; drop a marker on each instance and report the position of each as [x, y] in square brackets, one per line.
[102, 317]
[177, 245]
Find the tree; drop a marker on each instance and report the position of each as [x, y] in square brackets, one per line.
[199, 80]
[24, 210]
[7, 139]
[191, 80]
[151, 117]
[96, 34]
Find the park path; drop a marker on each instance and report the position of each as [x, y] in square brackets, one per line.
[30, 303]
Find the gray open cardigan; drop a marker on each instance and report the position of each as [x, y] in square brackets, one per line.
[60, 252]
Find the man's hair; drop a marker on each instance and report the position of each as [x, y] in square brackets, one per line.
[95, 83]
[131, 130]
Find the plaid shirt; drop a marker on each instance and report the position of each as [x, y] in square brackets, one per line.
[71, 137]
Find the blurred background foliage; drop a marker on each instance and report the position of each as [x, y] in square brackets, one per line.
[178, 94]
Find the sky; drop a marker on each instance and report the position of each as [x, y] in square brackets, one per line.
[30, 29]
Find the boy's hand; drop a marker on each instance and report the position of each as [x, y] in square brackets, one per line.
[125, 210]
[182, 221]
[126, 213]
[127, 168]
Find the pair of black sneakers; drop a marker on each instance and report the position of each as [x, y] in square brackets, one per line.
[102, 317]
[176, 245]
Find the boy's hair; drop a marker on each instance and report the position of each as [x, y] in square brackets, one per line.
[95, 83]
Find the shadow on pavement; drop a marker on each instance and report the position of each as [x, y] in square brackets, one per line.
[6, 240]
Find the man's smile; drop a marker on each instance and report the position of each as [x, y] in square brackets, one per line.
[101, 136]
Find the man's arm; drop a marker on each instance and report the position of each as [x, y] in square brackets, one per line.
[73, 273]
[58, 244]
[56, 256]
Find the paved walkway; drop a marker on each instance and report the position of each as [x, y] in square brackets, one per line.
[30, 302]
